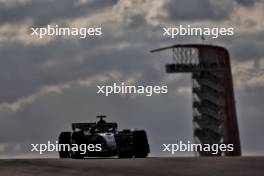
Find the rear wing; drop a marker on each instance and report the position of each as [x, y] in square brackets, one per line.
[87, 126]
[108, 125]
[84, 126]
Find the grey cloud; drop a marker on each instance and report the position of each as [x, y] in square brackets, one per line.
[135, 20]
[64, 60]
[29, 74]
[247, 46]
[246, 3]
[193, 10]
[44, 12]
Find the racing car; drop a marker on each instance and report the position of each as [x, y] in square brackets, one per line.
[126, 143]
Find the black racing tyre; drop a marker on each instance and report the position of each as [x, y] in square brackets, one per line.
[77, 139]
[65, 138]
[141, 145]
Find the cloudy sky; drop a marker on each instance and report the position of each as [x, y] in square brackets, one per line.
[46, 84]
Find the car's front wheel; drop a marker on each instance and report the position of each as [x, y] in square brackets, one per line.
[141, 145]
[65, 139]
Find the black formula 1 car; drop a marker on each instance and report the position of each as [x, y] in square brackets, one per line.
[102, 139]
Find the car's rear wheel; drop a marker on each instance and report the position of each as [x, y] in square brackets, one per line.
[65, 138]
[141, 145]
[77, 140]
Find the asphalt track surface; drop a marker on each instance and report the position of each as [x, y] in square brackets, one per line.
[225, 166]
